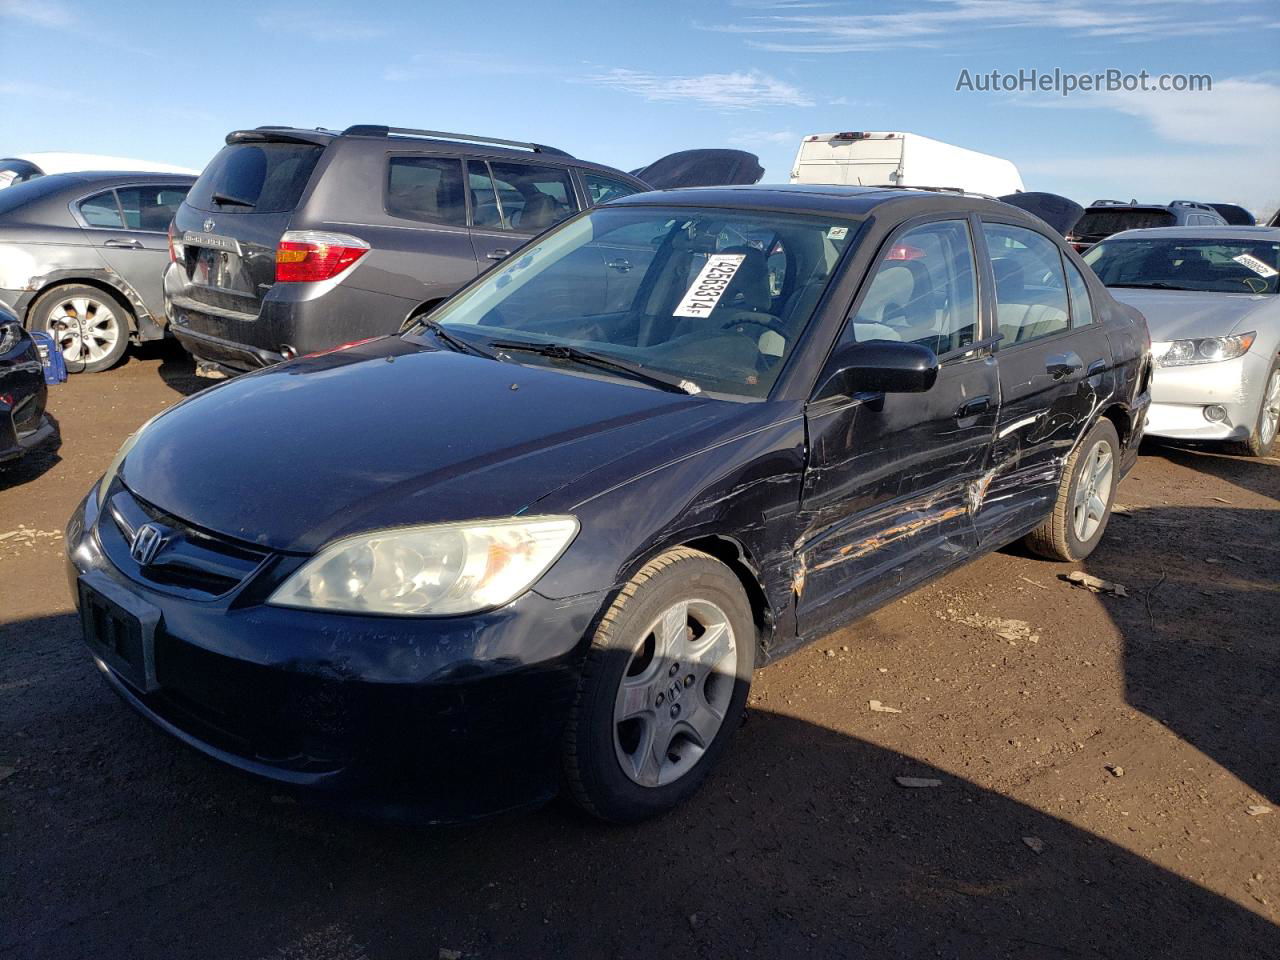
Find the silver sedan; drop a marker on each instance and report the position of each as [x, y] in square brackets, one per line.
[1210, 298]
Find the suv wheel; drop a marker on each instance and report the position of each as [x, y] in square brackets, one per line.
[90, 325]
[1083, 505]
[662, 689]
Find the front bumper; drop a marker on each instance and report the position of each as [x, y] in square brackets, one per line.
[439, 719]
[1179, 396]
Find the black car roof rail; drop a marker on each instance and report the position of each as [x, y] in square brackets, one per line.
[1116, 203]
[377, 130]
[959, 191]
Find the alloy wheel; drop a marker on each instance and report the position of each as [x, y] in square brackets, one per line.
[1270, 410]
[87, 329]
[1093, 490]
[675, 693]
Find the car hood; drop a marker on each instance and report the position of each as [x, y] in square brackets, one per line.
[390, 433]
[702, 168]
[1186, 314]
[1061, 213]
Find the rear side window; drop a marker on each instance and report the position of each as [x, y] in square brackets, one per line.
[1081, 305]
[101, 210]
[426, 188]
[533, 197]
[924, 290]
[1031, 290]
[256, 177]
[149, 208]
[603, 189]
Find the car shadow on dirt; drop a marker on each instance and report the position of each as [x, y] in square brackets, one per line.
[1257, 475]
[1199, 627]
[801, 844]
[177, 369]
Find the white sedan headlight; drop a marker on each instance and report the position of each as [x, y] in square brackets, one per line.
[437, 570]
[1182, 353]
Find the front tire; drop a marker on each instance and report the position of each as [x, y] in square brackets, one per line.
[90, 325]
[662, 689]
[1262, 438]
[1085, 493]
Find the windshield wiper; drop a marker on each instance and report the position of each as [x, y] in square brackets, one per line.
[1153, 285]
[225, 199]
[562, 351]
[457, 344]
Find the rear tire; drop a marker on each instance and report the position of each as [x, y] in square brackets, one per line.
[1262, 438]
[91, 325]
[662, 689]
[1085, 492]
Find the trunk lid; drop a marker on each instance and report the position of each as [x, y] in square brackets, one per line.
[235, 214]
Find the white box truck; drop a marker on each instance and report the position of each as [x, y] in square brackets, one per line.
[877, 158]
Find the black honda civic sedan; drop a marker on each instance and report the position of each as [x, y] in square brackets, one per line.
[540, 542]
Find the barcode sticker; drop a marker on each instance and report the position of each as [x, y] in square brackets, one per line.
[1257, 266]
[709, 285]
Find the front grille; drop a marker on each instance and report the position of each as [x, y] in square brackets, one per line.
[189, 562]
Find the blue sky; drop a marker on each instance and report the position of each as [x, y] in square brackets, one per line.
[626, 83]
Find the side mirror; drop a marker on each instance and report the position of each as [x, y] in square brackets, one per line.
[881, 366]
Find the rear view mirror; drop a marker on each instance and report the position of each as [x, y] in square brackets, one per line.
[881, 366]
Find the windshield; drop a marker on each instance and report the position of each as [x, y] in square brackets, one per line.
[718, 298]
[1185, 263]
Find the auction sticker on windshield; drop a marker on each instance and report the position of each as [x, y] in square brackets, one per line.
[709, 285]
[1257, 266]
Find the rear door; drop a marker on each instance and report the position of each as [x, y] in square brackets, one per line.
[231, 225]
[128, 226]
[890, 484]
[1055, 365]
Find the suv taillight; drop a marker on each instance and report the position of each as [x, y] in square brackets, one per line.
[176, 253]
[305, 256]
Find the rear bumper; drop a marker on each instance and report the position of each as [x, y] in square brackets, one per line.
[292, 318]
[14, 445]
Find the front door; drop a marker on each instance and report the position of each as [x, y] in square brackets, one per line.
[891, 480]
[1054, 367]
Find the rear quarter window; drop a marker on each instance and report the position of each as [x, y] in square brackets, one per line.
[263, 177]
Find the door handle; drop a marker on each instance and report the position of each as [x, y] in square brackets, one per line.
[1062, 365]
[971, 408]
[498, 253]
[1097, 368]
[123, 244]
[621, 265]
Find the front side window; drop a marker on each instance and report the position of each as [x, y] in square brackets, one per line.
[924, 290]
[1031, 290]
[683, 292]
[1187, 263]
[427, 189]
[150, 208]
[101, 211]
[533, 197]
[603, 189]
[1081, 305]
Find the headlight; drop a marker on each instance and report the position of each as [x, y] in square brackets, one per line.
[437, 570]
[1182, 353]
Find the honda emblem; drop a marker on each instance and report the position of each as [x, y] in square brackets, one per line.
[146, 543]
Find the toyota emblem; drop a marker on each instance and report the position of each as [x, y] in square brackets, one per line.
[146, 543]
[209, 225]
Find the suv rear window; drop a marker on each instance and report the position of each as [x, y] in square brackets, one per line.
[258, 177]
[1097, 222]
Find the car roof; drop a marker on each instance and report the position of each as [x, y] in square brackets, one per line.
[1203, 233]
[366, 134]
[845, 201]
[109, 178]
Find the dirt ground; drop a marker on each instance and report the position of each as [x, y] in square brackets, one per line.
[1097, 771]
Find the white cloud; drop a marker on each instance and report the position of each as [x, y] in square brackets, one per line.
[789, 27]
[763, 138]
[726, 91]
[42, 13]
[320, 28]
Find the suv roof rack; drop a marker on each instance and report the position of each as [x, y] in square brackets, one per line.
[1192, 203]
[958, 191]
[377, 130]
[1116, 203]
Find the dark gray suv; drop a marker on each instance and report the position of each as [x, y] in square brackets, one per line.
[294, 241]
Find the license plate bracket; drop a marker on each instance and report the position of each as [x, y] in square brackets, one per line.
[120, 628]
